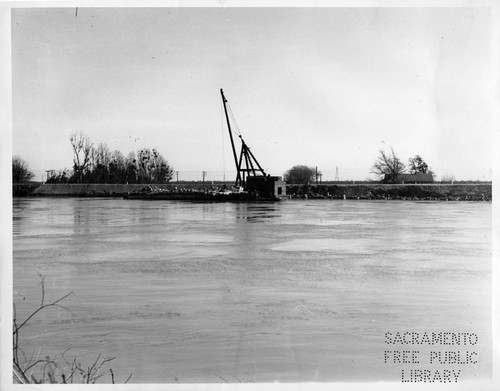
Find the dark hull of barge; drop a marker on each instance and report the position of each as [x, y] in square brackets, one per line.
[201, 197]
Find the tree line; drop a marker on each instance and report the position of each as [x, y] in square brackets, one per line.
[387, 167]
[98, 164]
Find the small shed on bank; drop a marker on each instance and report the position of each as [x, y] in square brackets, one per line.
[411, 178]
[267, 185]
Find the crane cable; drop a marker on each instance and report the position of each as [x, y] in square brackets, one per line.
[233, 121]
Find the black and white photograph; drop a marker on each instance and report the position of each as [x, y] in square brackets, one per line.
[230, 195]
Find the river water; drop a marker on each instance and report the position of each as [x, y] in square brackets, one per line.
[291, 291]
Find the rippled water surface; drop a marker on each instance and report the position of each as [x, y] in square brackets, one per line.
[289, 291]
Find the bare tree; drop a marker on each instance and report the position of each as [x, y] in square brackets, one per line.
[101, 159]
[82, 153]
[388, 166]
[131, 168]
[448, 178]
[417, 165]
[20, 170]
[102, 155]
[117, 167]
[152, 167]
[62, 176]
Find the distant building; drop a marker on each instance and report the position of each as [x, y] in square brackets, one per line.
[410, 178]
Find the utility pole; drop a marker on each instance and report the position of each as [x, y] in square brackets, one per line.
[177, 175]
[316, 174]
[337, 174]
[204, 173]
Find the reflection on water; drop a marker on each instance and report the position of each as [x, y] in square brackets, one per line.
[288, 291]
[256, 212]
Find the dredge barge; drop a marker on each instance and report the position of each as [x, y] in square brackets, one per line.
[252, 182]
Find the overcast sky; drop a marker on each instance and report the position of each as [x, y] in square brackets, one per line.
[321, 87]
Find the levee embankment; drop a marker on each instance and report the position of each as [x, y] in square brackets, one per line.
[450, 192]
[91, 189]
[444, 192]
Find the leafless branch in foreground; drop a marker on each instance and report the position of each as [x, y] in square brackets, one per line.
[50, 370]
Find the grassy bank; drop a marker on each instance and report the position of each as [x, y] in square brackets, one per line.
[459, 192]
